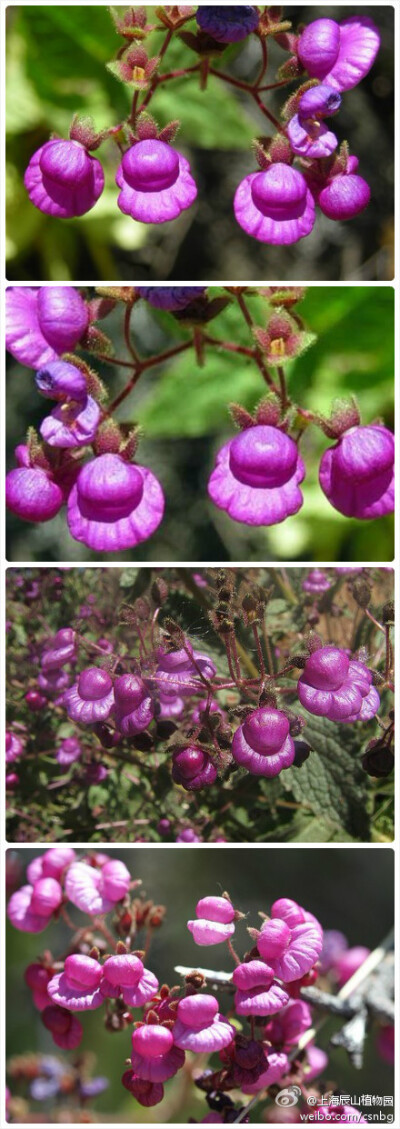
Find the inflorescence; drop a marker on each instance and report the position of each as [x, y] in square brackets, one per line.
[276, 203]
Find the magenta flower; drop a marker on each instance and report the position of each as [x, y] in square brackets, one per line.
[147, 1093]
[276, 1065]
[284, 1029]
[59, 650]
[50, 865]
[61, 381]
[339, 54]
[70, 750]
[199, 1027]
[114, 505]
[91, 698]
[54, 683]
[215, 921]
[347, 963]
[263, 743]
[291, 941]
[168, 705]
[31, 908]
[170, 297]
[43, 323]
[14, 747]
[63, 180]
[95, 773]
[37, 977]
[66, 1029]
[335, 943]
[275, 206]
[385, 1044]
[227, 24]
[257, 475]
[125, 975]
[32, 494]
[206, 705]
[187, 836]
[193, 769]
[71, 424]
[156, 182]
[134, 709]
[78, 987]
[258, 993]
[357, 474]
[154, 1056]
[344, 196]
[334, 686]
[181, 672]
[316, 582]
[97, 891]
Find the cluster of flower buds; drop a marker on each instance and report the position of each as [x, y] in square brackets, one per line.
[113, 502]
[276, 204]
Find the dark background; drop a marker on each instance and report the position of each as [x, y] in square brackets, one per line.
[56, 58]
[348, 889]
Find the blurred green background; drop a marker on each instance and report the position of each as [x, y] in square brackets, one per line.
[56, 67]
[323, 881]
[184, 415]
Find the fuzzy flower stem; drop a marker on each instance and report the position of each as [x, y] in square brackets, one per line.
[258, 356]
[232, 951]
[271, 117]
[140, 368]
[99, 924]
[127, 334]
[259, 649]
[230, 346]
[264, 63]
[285, 400]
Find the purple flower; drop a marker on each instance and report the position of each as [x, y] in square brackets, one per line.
[31, 908]
[14, 747]
[179, 671]
[59, 650]
[228, 24]
[339, 1113]
[291, 941]
[276, 1065]
[334, 944]
[71, 424]
[193, 769]
[263, 743]
[154, 1057]
[97, 891]
[50, 865]
[315, 582]
[308, 135]
[344, 195]
[114, 505]
[70, 750]
[91, 698]
[95, 773]
[257, 991]
[63, 180]
[42, 323]
[66, 1029]
[170, 297]
[187, 836]
[134, 709]
[156, 182]
[61, 381]
[275, 206]
[125, 975]
[168, 705]
[92, 1087]
[215, 921]
[357, 474]
[78, 987]
[199, 1027]
[347, 963]
[54, 683]
[257, 476]
[284, 1030]
[32, 494]
[334, 686]
[340, 54]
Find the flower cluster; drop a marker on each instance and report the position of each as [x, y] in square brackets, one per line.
[258, 1041]
[83, 458]
[276, 203]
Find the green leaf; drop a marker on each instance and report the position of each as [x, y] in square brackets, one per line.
[332, 782]
[211, 119]
[128, 577]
